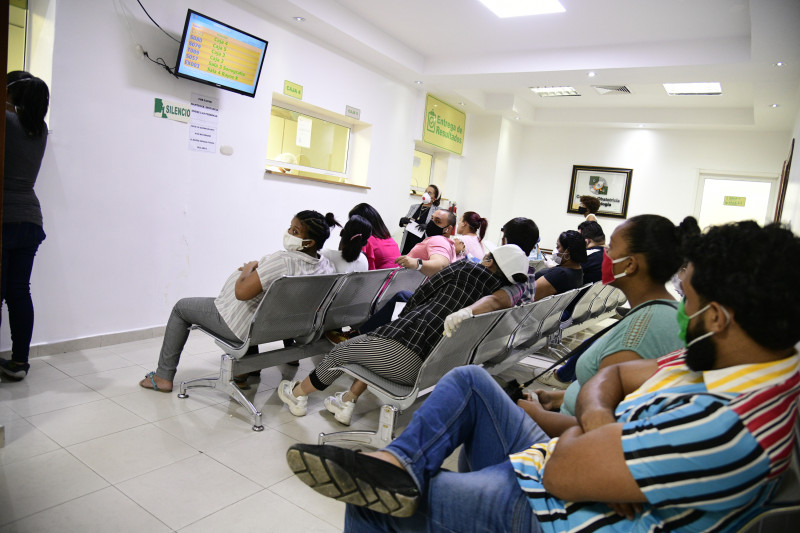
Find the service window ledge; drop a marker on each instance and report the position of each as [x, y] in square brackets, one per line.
[331, 181]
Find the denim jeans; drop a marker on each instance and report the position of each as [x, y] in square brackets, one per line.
[21, 240]
[384, 315]
[466, 407]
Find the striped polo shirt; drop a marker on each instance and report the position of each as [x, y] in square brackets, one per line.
[238, 314]
[706, 449]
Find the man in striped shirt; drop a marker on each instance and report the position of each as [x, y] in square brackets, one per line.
[694, 441]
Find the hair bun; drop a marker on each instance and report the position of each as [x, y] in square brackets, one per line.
[330, 220]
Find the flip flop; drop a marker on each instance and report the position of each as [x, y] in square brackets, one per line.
[152, 376]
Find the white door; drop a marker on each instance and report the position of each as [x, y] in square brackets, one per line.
[725, 198]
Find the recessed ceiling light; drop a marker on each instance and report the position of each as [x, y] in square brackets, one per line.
[774, 105]
[641, 125]
[779, 64]
[522, 8]
[555, 91]
[701, 88]
[299, 19]
[516, 117]
[462, 104]
[592, 74]
[418, 82]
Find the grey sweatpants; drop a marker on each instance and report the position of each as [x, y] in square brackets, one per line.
[186, 312]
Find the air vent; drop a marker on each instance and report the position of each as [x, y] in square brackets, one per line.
[611, 89]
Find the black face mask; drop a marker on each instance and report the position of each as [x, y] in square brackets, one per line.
[432, 229]
[582, 210]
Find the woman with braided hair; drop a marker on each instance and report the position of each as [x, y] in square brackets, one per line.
[229, 314]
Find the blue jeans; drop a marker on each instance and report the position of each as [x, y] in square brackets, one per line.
[466, 407]
[384, 315]
[21, 240]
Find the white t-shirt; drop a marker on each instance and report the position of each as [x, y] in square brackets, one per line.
[238, 314]
[343, 267]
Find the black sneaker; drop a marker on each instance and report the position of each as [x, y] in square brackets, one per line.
[355, 478]
[14, 369]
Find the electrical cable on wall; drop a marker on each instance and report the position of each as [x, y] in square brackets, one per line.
[156, 23]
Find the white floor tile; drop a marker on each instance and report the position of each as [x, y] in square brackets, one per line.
[261, 512]
[112, 383]
[132, 452]
[27, 399]
[7, 415]
[84, 422]
[247, 456]
[43, 481]
[184, 492]
[207, 428]
[105, 510]
[87, 361]
[24, 441]
[40, 372]
[303, 496]
[154, 406]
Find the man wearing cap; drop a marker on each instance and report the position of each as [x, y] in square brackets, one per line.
[694, 441]
[396, 351]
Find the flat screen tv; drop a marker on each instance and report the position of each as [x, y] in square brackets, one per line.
[220, 55]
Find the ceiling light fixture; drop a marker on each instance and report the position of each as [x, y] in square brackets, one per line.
[779, 64]
[545, 92]
[522, 8]
[516, 117]
[418, 82]
[462, 104]
[592, 74]
[774, 105]
[700, 88]
[299, 19]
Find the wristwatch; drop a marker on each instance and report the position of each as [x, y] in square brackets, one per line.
[419, 264]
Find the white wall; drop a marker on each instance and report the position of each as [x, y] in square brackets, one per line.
[134, 219]
[791, 206]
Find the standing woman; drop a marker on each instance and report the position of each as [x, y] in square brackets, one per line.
[588, 206]
[471, 231]
[26, 138]
[419, 215]
[381, 249]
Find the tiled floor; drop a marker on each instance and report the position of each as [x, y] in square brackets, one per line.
[88, 450]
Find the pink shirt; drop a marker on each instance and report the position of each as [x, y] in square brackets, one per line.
[472, 245]
[381, 253]
[436, 245]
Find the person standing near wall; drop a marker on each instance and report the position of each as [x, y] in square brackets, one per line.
[417, 218]
[588, 206]
[26, 139]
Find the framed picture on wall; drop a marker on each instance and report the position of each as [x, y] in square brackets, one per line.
[612, 186]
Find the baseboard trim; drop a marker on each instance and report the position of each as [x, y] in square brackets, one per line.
[96, 341]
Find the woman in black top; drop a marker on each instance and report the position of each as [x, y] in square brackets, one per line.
[26, 138]
[570, 253]
[418, 216]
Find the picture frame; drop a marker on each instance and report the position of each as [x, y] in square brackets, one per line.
[610, 185]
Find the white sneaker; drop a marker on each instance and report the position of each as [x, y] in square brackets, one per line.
[549, 378]
[342, 410]
[297, 406]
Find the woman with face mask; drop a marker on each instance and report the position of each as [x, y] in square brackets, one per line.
[418, 217]
[471, 231]
[642, 255]
[229, 314]
[589, 205]
[567, 273]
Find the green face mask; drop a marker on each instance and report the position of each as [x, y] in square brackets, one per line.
[684, 319]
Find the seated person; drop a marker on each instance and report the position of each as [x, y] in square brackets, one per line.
[642, 255]
[595, 241]
[469, 234]
[396, 351]
[381, 249]
[569, 255]
[524, 233]
[229, 315]
[694, 441]
[436, 250]
[353, 237]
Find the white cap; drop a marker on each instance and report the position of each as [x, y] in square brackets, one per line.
[511, 260]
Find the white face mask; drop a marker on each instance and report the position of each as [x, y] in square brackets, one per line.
[292, 243]
[426, 198]
[557, 258]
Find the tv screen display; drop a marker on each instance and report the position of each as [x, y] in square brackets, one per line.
[220, 55]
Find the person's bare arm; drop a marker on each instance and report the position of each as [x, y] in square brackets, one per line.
[249, 283]
[543, 289]
[552, 423]
[499, 299]
[619, 357]
[429, 266]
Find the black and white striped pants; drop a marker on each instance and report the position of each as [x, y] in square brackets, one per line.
[387, 358]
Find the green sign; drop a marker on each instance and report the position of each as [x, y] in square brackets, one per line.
[171, 110]
[293, 90]
[444, 125]
[737, 201]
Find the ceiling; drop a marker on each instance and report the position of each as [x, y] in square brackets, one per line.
[462, 52]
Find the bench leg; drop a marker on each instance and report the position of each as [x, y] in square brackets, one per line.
[224, 383]
[387, 423]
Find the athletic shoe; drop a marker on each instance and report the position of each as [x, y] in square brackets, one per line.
[549, 378]
[355, 478]
[342, 410]
[297, 406]
[14, 369]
